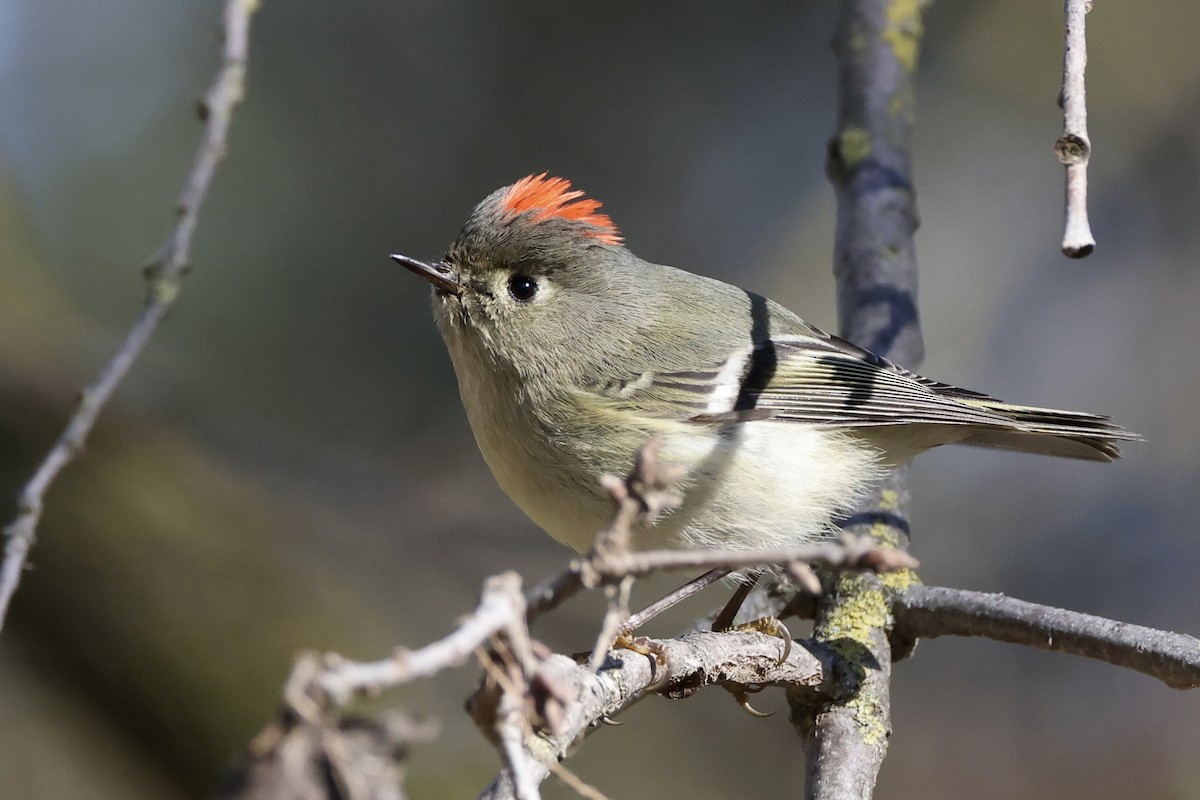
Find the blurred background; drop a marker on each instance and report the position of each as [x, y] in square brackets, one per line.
[289, 466]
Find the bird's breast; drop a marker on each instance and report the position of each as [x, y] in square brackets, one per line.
[537, 450]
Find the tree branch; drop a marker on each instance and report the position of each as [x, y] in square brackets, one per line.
[677, 669]
[501, 607]
[847, 552]
[877, 44]
[931, 611]
[1074, 148]
[163, 275]
[534, 704]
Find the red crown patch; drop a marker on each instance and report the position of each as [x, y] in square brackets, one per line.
[552, 197]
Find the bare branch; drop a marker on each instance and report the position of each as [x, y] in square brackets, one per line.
[348, 758]
[163, 275]
[929, 611]
[315, 753]
[847, 552]
[575, 784]
[1074, 148]
[877, 44]
[501, 608]
[507, 724]
[679, 668]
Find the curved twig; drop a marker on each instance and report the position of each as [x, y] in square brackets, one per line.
[163, 275]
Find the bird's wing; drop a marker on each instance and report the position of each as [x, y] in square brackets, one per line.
[826, 381]
[820, 381]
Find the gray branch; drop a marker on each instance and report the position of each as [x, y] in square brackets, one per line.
[1074, 148]
[164, 275]
[931, 611]
[847, 552]
[877, 44]
[676, 668]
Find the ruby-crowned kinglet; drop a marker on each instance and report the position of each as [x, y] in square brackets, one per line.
[571, 351]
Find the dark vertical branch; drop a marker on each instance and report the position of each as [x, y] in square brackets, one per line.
[877, 44]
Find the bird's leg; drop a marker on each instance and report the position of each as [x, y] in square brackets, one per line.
[724, 620]
[651, 611]
[772, 626]
[626, 640]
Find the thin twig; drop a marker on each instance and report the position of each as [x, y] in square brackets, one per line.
[510, 726]
[164, 275]
[929, 611]
[615, 615]
[501, 608]
[692, 587]
[846, 552]
[1074, 148]
[575, 783]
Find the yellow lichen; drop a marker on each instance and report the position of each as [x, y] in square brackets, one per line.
[901, 103]
[903, 31]
[854, 146]
[889, 500]
[861, 607]
[900, 579]
[869, 715]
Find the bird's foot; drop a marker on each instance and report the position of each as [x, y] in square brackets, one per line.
[772, 626]
[642, 645]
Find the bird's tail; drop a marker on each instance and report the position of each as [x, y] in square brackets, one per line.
[1049, 431]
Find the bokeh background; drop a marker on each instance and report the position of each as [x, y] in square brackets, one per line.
[289, 467]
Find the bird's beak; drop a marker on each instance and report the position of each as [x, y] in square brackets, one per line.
[441, 275]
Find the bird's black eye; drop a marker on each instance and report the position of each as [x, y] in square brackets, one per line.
[522, 288]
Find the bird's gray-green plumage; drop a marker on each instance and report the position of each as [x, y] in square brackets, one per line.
[780, 425]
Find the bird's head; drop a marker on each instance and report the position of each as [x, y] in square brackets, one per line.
[534, 272]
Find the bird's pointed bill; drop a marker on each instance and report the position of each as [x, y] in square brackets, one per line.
[440, 274]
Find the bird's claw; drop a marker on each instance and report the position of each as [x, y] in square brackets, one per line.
[743, 700]
[639, 644]
[771, 626]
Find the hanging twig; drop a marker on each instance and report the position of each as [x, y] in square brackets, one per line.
[1074, 148]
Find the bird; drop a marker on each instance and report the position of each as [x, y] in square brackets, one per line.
[570, 351]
